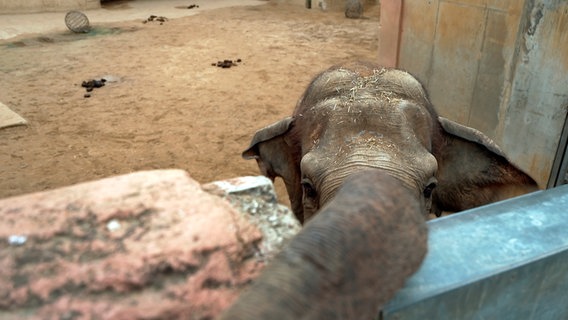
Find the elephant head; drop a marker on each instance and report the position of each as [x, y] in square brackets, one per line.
[347, 261]
[360, 116]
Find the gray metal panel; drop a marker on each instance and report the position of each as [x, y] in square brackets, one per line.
[508, 260]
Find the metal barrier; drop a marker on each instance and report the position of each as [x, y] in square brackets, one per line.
[507, 260]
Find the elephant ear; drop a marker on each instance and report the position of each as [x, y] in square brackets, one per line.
[274, 151]
[473, 170]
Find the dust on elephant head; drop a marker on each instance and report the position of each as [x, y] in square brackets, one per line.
[360, 116]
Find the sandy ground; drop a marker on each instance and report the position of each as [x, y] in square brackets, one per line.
[165, 105]
[12, 25]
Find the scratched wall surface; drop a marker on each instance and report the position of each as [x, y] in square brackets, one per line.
[500, 66]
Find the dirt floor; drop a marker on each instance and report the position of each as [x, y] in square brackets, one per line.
[164, 104]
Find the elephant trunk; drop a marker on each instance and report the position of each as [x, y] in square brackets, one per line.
[347, 261]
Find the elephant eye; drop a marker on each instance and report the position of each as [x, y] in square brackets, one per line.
[309, 190]
[429, 188]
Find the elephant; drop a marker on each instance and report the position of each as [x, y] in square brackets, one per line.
[365, 159]
[359, 115]
[348, 261]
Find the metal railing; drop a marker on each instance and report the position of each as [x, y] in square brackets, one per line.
[507, 260]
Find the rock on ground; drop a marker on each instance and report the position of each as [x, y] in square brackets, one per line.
[146, 245]
[353, 9]
[256, 198]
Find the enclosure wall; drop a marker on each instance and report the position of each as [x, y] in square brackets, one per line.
[499, 66]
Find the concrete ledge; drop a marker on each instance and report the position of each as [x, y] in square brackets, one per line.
[255, 198]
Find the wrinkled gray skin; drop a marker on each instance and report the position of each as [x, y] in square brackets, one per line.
[347, 261]
[360, 116]
[372, 134]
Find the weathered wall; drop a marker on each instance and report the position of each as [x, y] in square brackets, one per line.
[29, 6]
[147, 245]
[499, 66]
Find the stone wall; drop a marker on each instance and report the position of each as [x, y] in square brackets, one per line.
[30, 6]
[148, 245]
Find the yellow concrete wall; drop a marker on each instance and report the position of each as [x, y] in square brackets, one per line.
[31, 6]
[499, 66]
